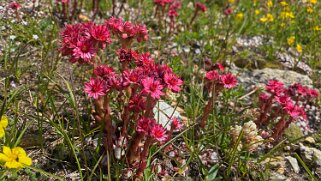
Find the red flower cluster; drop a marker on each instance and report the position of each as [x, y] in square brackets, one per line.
[163, 2]
[285, 104]
[14, 5]
[62, 1]
[219, 78]
[216, 80]
[147, 78]
[172, 12]
[127, 31]
[81, 41]
[137, 85]
[200, 6]
[228, 11]
[150, 128]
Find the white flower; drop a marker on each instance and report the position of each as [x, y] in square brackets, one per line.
[35, 37]
[12, 37]
[24, 23]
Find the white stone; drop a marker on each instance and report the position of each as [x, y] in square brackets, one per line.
[294, 164]
[164, 112]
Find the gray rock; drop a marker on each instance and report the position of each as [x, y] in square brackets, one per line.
[254, 41]
[292, 62]
[164, 112]
[277, 176]
[310, 155]
[259, 77]
[294, 163]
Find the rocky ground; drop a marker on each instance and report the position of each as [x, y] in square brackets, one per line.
[293, 160]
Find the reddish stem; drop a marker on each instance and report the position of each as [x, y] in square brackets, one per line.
[133, 151]
[263, 118]
[108, 124]
[208, 108]
[114, 7]
[74, 9]
[143, 158]
[193, 18]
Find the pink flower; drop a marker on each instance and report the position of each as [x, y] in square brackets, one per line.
[283, 99]
[95, 88]
[294, 111]
[212, 75]
[101, 34]
[162, 2]
[144, 125]
[172, 12]
[137, 103]
[132, 76]
[228, 11]
[299, 89]
[125, 55]
[302, 90]
[84, 50]
[115, 24]
[176, 124]
[228, 80]
[62, 1]
[104, 72]
[173, 82]
[264, 97]
[219, 66]
[313, 93]
[274, 87]
[14, 5]
[144, 59]
[129, 30]
[70, 35]
[200, 6]
[159, 133]
[152, 87]
[142, 33]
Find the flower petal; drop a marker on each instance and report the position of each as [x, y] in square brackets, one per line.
[4, 122]
[25, 160]
[3, 158]
[7, 151]
[1, 132]
[19, 151]
[13, 164]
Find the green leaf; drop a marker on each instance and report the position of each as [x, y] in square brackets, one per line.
[212, 173]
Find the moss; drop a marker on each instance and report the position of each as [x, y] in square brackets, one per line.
[293, 132]
[273, 65]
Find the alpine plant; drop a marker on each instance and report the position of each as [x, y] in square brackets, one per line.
[283, 105]
[136, 86]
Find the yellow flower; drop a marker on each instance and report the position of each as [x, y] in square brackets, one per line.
[230, 1]
[283, 3]
[269, 4]
[282, 25]
[313, 1]
[3, 125]
[317, 28]
[291, 40]
[239, 16]
[299, 48]
[15, 157]
[254, 1]
[310, 10]
[267, 18]
[287, 14]
[257, 11]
